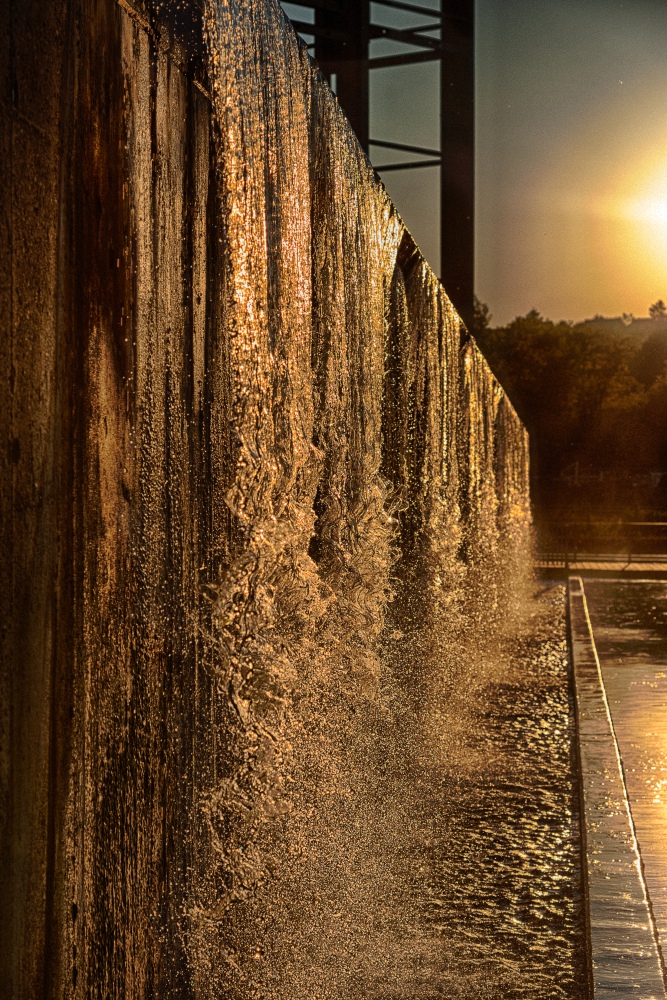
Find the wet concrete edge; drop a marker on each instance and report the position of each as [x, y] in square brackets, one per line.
[576, 766]
[622, 941]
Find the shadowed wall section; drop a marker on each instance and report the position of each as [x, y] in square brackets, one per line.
[235, 415]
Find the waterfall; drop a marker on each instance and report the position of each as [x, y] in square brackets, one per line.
[377, 487]
[280, 714]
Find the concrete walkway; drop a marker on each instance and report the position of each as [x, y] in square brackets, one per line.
[622, 720]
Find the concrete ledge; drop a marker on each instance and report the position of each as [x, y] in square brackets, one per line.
[638, 570]
[624, 953]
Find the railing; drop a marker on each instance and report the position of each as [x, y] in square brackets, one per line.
[631, 564]
[558, 558]
[602, 539]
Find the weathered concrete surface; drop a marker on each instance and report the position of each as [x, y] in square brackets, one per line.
[625, 960]
[108, 306]
[29, 211]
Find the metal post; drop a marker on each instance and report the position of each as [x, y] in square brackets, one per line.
[457, 118]
[341, 47]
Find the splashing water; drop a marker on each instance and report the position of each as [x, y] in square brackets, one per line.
[376, 579]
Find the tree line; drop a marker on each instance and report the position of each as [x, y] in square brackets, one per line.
[593, 396]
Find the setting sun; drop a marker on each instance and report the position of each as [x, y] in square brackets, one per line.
[572, 167]
[648, 209]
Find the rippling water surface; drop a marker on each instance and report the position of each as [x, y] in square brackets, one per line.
[430, 848]
[630, 619]
[506, 877]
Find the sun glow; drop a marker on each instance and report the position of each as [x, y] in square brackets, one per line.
[596, 225]
[636, 208]
[646, 210]
[650, 210]
[648, 202]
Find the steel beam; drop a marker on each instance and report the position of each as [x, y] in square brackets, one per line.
[411, 165]
[457, 143]
[341, 47]
[407, 36]
[343, 33]
[411, 7]
[405, 59]
[424, 150]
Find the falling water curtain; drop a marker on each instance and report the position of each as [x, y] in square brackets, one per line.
[239, 438]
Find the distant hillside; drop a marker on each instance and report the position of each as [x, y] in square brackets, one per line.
[639, 327]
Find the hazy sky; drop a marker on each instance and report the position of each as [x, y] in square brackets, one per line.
[571, 195]
[571, 208]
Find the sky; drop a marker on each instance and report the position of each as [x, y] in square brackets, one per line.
[571, 156]
[405, 107]
[571, 153]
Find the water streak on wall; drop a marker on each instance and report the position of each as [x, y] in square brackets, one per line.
[284, 490]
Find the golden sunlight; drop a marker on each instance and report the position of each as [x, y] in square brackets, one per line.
[647, 208]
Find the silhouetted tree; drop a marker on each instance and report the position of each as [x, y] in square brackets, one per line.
[650, 360]
[591, 397]
[481, 316]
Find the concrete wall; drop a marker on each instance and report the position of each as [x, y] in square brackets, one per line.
[110, 456]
